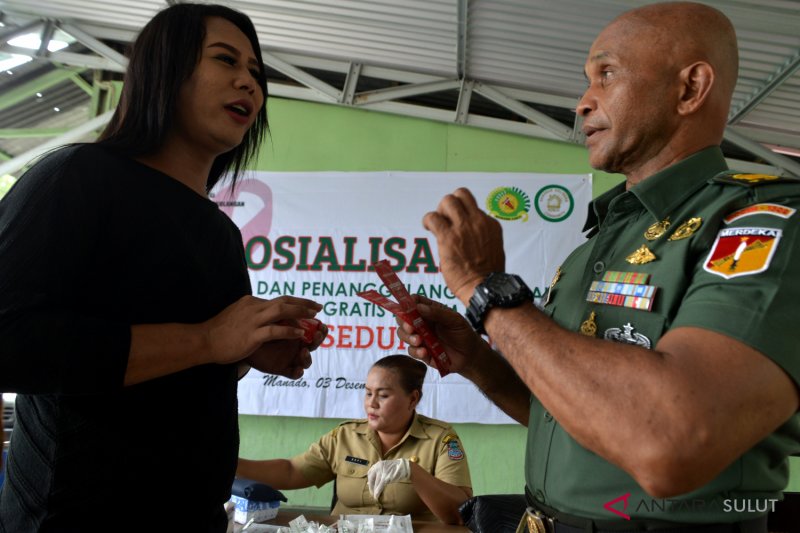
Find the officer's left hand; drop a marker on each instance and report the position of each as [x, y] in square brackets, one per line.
[470, 242]
[384, 472]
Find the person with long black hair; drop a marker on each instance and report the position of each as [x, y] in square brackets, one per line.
[125, 307]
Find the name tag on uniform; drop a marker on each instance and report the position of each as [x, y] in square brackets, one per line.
[356, 460]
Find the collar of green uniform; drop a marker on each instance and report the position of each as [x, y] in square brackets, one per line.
[598, 208]
[664, 190]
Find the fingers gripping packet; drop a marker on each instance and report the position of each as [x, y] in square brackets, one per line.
[309, 326]
[406, 309]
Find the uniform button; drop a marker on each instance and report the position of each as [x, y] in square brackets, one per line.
[599, 267]
[539, 496]
[548, 416]
[352, 470]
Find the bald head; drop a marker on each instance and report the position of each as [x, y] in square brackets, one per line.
[683, 33]
[661, 78]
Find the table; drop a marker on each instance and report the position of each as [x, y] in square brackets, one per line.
[285, 516]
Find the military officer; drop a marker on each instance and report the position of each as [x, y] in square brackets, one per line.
[396, 461]
[659, 381]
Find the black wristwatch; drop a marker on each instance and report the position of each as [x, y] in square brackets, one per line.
[497, 290]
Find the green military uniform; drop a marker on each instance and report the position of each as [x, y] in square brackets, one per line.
[347, 453]
[728, 261]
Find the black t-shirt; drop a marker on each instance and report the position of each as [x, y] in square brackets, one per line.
[91, 242]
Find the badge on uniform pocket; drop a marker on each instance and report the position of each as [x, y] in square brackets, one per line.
[626, 335]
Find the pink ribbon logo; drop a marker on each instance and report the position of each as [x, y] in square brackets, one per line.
[261, 222]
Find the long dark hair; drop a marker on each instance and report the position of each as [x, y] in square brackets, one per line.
[410, 371]
[163, 57]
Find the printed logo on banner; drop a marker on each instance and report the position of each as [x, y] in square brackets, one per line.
[554, 203]
[508, 203]
[260, 221]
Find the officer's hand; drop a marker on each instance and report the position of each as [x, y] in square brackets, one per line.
[384, 472]
[470, 242]
[457, 337]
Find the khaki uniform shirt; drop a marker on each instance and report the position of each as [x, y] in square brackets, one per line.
[347, 453]
[729, 262]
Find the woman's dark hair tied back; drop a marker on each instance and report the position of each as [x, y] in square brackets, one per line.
[162, 58]
[410, 371]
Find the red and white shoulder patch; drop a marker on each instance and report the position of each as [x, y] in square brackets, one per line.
[742, 251]
[760, 209]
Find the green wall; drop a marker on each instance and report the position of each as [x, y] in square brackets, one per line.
[318, 137]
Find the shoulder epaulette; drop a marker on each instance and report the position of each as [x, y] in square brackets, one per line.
[354, 421]
[751, 180]
[433, 422]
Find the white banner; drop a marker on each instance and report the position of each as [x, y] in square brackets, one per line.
[314, 235]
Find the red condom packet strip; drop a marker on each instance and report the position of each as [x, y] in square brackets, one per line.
[406, 309]
[309, 325]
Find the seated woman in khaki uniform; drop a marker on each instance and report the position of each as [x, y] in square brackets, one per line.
[395, 461]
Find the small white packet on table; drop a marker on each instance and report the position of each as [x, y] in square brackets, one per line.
[382, 523]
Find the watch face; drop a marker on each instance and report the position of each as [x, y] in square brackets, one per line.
[503, 285]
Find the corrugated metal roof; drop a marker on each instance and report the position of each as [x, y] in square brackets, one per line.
[525, 56]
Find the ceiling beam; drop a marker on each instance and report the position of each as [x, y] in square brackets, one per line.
[768, 136]
[13, 165]
[464, 99]
[775, 80]
[44, 39]
[350, 84]
[495, 95]
[83, 84]
[404, 91]
[764, 153]
[94, 44]
[85, 61]
[409, 77]
[28, 133]
[71, 59]
[10, 97]
[329, 92]
[461, 39]
[13, 32]
[294, 92]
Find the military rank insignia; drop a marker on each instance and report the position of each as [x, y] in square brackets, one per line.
[623, 289]
[454, 451]
[754, 178]
[641, 256]
[749, 180]
[657, 229]
[686, 229]
[742, 251]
